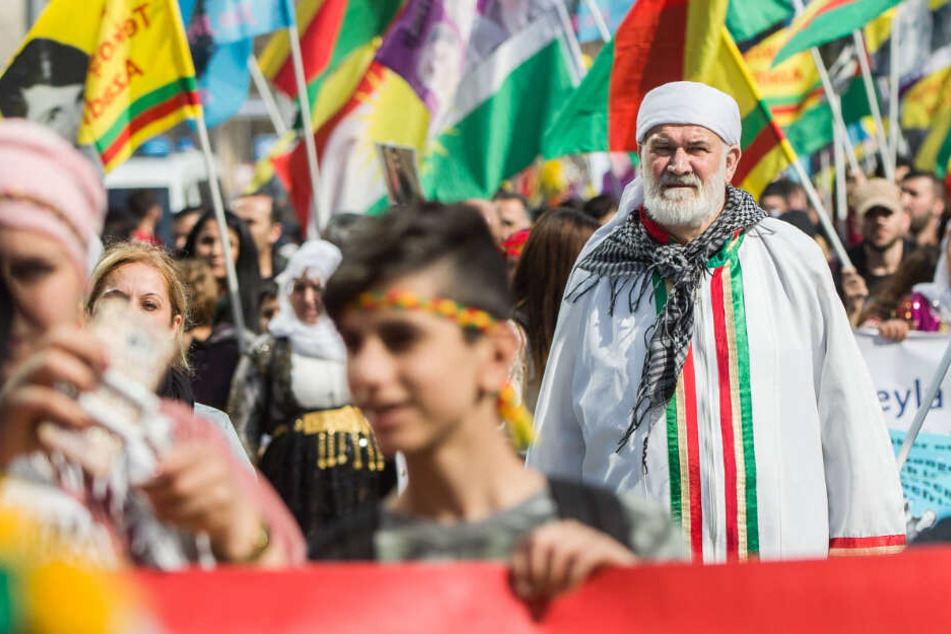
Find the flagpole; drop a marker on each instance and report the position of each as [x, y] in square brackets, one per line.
[320, 214]
[895, 77]
[599, 22]
[836, 107]
[824, 218]
[219, 206]
[841, 195]
[573, 44]
[884, 149]
[273, 113]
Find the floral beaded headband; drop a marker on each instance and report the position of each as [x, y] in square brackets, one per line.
[516, 417]
[465, 316]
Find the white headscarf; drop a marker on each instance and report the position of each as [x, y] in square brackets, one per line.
[317, 259]
[690, 103]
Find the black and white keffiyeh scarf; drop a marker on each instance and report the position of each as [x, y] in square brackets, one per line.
[629, 257]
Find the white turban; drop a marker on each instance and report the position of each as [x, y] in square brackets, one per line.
[690, 103]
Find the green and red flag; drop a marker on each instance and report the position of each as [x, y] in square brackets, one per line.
[826, 20]
[329, 31]
[658, 42]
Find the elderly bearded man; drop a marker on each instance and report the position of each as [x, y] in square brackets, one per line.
[702, 358]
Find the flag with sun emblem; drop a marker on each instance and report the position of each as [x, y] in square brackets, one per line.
[471, 85]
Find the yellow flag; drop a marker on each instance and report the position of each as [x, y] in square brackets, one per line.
[789, 89]
[110, 73]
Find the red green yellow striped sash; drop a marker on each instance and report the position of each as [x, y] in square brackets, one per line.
[683, 447]
[735, 406]
[735, 413]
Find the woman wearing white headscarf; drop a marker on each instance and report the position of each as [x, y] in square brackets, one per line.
[291, 405]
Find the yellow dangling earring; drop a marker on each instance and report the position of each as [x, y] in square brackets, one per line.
[518, 422]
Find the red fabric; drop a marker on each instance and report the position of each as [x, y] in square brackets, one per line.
[881, 594]
[515, 244]
[654, 230]
[648, 51]
[283, 528]
[867, 542]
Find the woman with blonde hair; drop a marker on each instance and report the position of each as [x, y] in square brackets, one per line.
[146, 277]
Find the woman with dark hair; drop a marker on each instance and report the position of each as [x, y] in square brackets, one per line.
[204, 243]
[540, 278]
[903, 304]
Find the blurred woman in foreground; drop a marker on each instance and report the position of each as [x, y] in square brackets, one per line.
[51, 209]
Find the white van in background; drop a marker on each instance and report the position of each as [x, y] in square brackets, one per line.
[179, 180]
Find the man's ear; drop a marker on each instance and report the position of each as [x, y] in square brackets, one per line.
[733, 154]
[500, 347]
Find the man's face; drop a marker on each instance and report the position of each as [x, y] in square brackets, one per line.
[513, 216]
[919, 201]
[59, 108]
[182, 225]
[256, 211]
[685, 170]
[774, 204]
[882, 227]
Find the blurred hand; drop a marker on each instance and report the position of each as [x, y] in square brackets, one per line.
[196, 489]
[894, 329]
[559, 556]
[853, 286]
[66, 358]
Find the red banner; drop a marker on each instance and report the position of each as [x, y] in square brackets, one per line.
[898, 593]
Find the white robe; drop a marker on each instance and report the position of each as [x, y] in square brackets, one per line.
[818, 450]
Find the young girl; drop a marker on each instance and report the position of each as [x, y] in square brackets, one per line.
[420, 301]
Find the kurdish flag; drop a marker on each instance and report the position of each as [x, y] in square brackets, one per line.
[109, 73]
[793, 92]
[788, 89]
[826, 20]
[329, 31]
[658, 42]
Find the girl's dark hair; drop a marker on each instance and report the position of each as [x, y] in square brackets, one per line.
[542, 273]
[246, 267]
[916, 268]
[413, 237]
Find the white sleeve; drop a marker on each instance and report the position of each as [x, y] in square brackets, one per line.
[865, 496]
[559, 445]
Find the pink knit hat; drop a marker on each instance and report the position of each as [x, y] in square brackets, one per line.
[47, 186]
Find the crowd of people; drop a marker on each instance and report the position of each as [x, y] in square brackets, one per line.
[687, 352]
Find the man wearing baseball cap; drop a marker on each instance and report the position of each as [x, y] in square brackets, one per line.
[884, 225]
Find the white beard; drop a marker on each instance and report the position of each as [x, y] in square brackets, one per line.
[684, 207]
